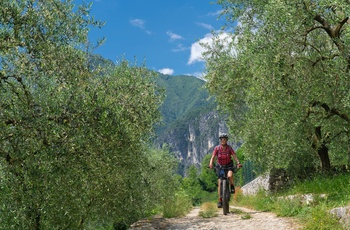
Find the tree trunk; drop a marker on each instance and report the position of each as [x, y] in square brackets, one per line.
[324, 157]
[322, 149]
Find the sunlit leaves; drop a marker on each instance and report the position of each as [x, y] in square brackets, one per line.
[74, 137]
[295, 64]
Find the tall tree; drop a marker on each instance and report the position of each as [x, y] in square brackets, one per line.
[73, 140]
[287, 81]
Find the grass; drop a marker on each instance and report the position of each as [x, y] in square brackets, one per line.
[208, 210]
[314, 215]
[179, 205]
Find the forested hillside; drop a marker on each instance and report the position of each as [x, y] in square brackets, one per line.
[182, 95]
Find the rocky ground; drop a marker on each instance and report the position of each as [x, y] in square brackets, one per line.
[257, 221]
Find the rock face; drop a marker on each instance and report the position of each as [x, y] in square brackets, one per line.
[193, 137]
[259, 183]
[191, 123]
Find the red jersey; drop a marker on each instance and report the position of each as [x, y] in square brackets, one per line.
[224, 154]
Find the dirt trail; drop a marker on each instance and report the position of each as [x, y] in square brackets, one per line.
[258, 221]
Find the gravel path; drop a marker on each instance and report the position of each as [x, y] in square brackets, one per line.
[258, 221]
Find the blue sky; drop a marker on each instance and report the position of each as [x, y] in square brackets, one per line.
[162, 33]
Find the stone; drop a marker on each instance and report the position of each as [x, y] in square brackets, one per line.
[343, 214]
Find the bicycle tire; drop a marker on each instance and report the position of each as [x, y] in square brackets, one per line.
[225, 205]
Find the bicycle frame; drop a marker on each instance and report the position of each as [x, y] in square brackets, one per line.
[224, 188]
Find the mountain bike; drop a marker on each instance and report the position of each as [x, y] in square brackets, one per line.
[225, 194]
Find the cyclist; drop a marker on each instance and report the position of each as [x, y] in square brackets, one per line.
[224, 154]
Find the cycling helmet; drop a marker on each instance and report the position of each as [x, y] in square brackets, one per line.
[223, 135]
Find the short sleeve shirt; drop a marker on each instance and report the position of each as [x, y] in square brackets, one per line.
[224, 154]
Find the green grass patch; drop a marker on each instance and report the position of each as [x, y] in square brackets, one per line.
[337, 188]
[314, 215]
[260, 201]
[320, 219]
[236, 211]
[246, 216]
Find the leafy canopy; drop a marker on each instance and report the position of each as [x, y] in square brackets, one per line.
[283, 77]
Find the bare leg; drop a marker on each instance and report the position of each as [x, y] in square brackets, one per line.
[230, 176]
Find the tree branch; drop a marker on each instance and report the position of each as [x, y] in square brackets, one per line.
[312, 29]
[339, 26]
[322, 58]
[325, 25]
[331, 111]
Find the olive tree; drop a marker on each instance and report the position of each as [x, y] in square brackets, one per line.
[73, 140]
[286, 83]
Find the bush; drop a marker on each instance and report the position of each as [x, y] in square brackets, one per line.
[179, 205]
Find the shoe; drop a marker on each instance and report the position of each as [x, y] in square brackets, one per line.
[219, 204]
[233, 189]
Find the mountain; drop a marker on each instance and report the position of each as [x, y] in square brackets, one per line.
[191, 123]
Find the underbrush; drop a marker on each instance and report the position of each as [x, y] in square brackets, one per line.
[312, 215]
[179, 205]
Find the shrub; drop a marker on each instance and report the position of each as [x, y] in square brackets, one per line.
[208, 209]
[179, 205]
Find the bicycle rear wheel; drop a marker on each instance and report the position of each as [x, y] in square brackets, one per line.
[225, 196]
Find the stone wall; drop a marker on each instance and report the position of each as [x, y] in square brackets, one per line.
[259, 183]
[278, 180]
[274, 181]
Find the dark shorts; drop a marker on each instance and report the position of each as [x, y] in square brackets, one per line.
[228, 167]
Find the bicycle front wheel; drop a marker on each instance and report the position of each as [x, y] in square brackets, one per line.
[225, 194]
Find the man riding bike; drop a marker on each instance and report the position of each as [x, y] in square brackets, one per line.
[224, 154]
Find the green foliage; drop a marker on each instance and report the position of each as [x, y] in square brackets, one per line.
[191, 185]
[319, 218]
[208, 176]
[286, 70]
[183, 94]
[335, 186]
[74, 135]
[178, 205]
[289, 208]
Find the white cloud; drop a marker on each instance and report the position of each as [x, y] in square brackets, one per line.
[197, 49]
[199, 75]
[138, 23]
[167, 71]
[206, 26]
[173, 36]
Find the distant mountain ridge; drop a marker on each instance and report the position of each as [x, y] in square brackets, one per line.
[191, 123]
[183, 95]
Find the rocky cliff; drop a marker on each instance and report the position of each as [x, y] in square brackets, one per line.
[192, 138]
[191, 122]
